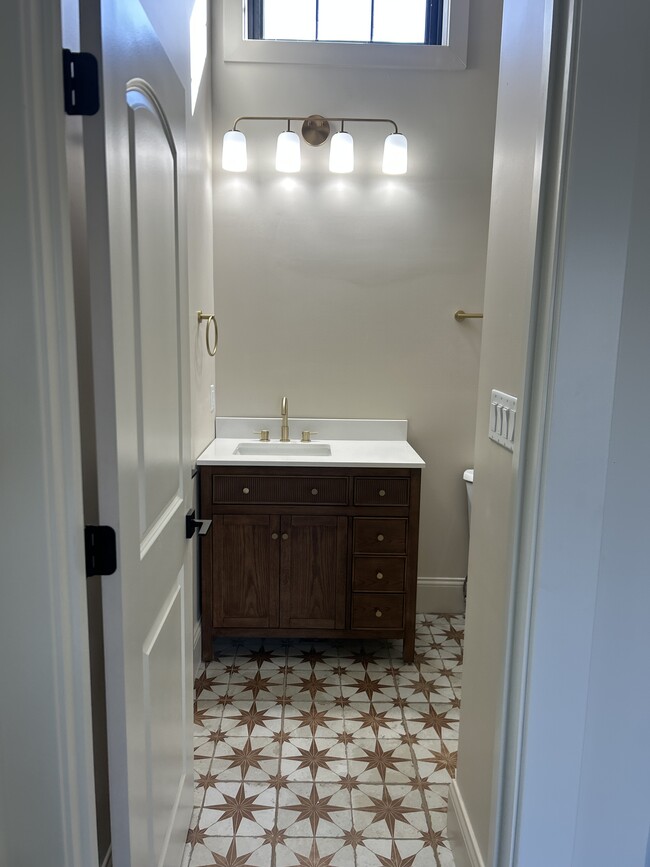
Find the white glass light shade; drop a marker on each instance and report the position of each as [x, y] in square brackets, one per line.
[395, 155]
[342, 153]
[287, 154]
[233, 156]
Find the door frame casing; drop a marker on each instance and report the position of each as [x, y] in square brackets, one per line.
[52, 648]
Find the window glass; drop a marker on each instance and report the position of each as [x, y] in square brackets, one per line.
[399, 22]
[344, 20]
[290, 19]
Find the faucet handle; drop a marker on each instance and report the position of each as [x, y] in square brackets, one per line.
[264, 435]
[307, 435]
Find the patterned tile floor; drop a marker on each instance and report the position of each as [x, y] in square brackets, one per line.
[326, 754]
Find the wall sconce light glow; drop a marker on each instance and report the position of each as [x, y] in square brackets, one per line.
[198, 47]
[342, 153]
[315, 131]
[395, 155]
[287, 154]
[233, 156]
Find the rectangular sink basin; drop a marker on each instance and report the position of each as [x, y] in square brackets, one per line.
[315, 449]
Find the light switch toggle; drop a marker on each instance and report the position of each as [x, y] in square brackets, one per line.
[503, 416]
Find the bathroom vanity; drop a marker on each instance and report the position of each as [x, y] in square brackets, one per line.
[309, 544]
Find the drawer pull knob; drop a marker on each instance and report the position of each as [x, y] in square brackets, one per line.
[285, 536]
[246, 491]
[380, 537]
[377, 612]
[382, 493]
[380, 575]
[314, 491]
[274, 536]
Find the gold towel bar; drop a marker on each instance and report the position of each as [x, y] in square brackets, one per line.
[201, 316]
[460, 316]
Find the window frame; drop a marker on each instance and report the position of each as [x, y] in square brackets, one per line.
[451, 54]
[432, 25]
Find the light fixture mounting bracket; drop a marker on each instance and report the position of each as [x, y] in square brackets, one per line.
[315, 130]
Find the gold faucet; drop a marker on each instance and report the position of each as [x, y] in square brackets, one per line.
[284, 432]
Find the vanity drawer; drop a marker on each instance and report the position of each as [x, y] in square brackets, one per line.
[280, 490]
[371, 491]
[377, 611]
[381, 574]
[380, 535]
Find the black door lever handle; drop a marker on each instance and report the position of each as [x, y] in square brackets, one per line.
[192, 524]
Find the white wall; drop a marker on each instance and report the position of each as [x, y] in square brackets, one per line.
[510, 280]
[589, 637]
[583, 591]
[340, 291]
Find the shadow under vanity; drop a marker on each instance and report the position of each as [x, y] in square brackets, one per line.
[314, 546]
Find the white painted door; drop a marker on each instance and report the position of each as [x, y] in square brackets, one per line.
[134, 153]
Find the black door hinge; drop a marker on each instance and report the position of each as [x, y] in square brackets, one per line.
[101, 550]
[80, 82]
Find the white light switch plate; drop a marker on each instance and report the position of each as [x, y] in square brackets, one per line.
[503, 418]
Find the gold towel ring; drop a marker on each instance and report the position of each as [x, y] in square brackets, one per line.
[211, 319]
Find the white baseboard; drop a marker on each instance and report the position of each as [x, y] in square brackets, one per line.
[461, 836]
[440, 596]
[197, 647]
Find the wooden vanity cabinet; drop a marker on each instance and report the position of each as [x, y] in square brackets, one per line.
[323, 552]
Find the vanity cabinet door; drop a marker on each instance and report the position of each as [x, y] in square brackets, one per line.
[246, 561]
[313, 572]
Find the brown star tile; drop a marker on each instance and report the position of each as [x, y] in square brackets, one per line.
[396, 853]
[245, 809]
[428, 721]
[315, 852]
[246, 759]
[423, 688]
[349, 782]
[312, 686]
[322, 810]
[375, 764]
[436, 764]
[196, 835]
[363, 720]
[388, 811]
[371, 687]
[256, 685]
[256, 719]
[204, 683]
[274, 837]
[311, 719]
[319, 758]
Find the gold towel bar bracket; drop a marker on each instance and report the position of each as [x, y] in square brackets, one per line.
[201, 316]
[461, 316]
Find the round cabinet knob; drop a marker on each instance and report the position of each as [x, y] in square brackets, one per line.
[314, 491]
[380, 537]
[377, 612]
[274, 536]
[285, 536]
[382, 493]
[380, 575]
[246, 491]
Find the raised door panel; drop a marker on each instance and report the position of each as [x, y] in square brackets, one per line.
[313, 572]
[246, 571]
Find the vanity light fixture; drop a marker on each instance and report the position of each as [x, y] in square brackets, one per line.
[315, 131]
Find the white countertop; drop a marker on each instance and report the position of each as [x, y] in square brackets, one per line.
[371, 443]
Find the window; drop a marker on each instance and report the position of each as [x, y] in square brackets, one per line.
[417, 22]
[389, 20]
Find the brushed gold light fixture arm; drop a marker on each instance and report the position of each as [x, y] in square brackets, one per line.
[461, 316]
[315, 128]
